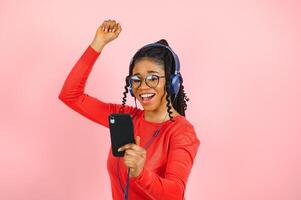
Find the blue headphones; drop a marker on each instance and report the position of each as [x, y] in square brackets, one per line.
[175, 78]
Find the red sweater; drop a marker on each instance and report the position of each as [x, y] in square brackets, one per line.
[169, 157]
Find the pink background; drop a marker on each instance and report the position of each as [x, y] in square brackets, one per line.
[241, 68]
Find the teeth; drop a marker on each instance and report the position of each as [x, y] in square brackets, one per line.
[146, 95]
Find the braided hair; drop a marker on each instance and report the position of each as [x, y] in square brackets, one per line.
[163, 57]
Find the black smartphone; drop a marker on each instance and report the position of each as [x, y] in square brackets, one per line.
[121, 131]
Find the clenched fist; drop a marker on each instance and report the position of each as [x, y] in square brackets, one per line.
[134, 157]
[106, 32]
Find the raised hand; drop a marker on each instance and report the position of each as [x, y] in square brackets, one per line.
[106, 32]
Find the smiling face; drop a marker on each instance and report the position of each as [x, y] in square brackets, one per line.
[151, 99]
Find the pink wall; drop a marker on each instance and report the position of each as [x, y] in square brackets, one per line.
[241, 68]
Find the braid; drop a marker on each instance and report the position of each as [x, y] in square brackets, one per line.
[124, 95]
[168, 104]
[181, 101]
[168, 62]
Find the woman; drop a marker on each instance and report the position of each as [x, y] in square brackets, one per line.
[158, 165]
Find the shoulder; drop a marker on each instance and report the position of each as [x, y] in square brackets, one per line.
[182, 131]
[183, 139]
[180, 124]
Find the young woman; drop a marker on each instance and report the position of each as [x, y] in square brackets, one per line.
[158, 165]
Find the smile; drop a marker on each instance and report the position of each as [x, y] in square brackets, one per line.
[147, 96]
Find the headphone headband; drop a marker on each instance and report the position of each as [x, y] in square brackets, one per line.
[175, 56]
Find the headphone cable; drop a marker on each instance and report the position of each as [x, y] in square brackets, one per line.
[125, 190]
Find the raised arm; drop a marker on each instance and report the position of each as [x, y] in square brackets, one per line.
[72, 93]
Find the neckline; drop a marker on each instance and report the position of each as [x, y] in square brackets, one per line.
[159, 123]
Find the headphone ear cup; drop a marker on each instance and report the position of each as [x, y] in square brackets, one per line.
[175, 83]
[131, 91]
[130, 86]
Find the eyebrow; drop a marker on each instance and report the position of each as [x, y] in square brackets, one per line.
[151, 71]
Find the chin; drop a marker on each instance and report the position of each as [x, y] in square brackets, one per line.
[149, 107]
[152, 105]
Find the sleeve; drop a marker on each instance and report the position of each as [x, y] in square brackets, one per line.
[72, 93]
[183, 148]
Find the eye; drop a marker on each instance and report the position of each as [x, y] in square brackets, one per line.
[135, 79]
[152, 78]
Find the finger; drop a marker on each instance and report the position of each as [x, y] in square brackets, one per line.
[137, 160]
[107, 28]
[118, 30]
[130, 164]
[132, 170]
[125, 147]
[105, 25]
[132, 153]
[133, 159]
[131, 146]
[122, 148]
[115, 27]
[136, 147]
[111, 25]
[137, 140]
[102, 25]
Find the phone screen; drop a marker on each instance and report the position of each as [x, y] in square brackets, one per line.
[121, 131]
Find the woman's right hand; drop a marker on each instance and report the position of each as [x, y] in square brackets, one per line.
[106, 32]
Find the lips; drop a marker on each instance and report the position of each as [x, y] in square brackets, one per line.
[147, 97]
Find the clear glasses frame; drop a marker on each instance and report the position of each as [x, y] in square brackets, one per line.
[151, 80]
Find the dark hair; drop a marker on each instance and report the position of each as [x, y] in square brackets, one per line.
[163, 57]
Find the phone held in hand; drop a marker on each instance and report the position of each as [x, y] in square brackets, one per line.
[121, 131]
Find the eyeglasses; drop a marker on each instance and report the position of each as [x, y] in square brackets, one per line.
[151, 80]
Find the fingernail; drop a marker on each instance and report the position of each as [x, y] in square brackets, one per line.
[119, 150]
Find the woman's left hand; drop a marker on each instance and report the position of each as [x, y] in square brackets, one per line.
[134, 157]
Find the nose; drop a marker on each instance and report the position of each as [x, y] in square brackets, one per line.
[143, 85]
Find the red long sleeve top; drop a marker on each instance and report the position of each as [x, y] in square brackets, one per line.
[169, 157]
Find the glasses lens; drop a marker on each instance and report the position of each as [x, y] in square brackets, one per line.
[135, 81]
[152, 80]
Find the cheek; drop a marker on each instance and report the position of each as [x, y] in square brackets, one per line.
[161, 88]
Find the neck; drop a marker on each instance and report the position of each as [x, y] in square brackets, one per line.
[159, 115]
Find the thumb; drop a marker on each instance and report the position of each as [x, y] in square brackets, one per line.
[137, 140]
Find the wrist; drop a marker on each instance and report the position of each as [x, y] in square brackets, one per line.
[97, 46]
[138, 175]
